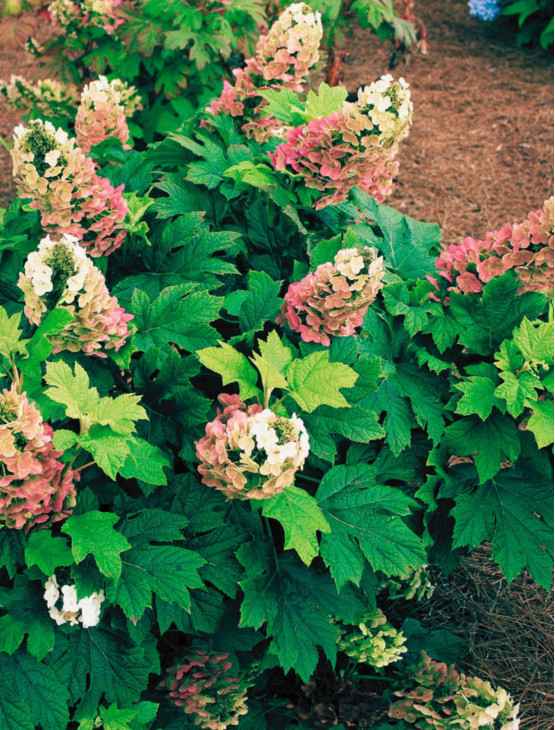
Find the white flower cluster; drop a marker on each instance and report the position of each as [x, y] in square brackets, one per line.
[85, 611]
[41, 264]
[359, 264]
[284, 440]
[389, 106]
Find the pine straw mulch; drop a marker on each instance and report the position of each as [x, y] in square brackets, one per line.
[480, 152]
[509, 630]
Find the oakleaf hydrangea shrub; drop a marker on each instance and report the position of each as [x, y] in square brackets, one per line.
[238, 439]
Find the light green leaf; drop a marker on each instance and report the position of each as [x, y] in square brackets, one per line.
[478, 397]
[233, 366]
[315, 381]
[325, 101]
[145, 462]
[540, 422]
[93, 534]
[301, 518]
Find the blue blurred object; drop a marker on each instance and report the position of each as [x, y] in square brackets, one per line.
[486, 10]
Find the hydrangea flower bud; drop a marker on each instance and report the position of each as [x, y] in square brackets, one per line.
[64, 608]
[60, 274]
[249, 452]
[103, 111]
[61, 181]
[374, 641]
[35, 487]
[413, 584]
[441, 696]
[526, 248]
[354, 147]
[46, 96]
[333, 300]
[207, 688]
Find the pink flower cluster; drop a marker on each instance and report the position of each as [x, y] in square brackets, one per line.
[526, 248]
[60, 274]
[249, 452]
[354, 147]
[103, 111]
[97, 13]
[207, 689]
[35, 487]
[62, 183]
[283, 58]
[333, 300]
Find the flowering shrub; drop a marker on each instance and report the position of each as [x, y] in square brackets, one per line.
[533, 19]
[306, 409]
[444, 697]
[36, 489]
[64, 187]
[104, 14]
[207, 688]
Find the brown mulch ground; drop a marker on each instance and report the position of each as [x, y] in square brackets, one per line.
[481, 149]
[480, 154]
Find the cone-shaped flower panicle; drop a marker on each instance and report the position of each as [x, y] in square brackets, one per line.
[354, 147]
[291, 47]
[209, 689]
[413, 585]
[35, 487]
[98, 13]
[283, 58]
[103, 111]
[60, 274]
[374, 641]
[441, 697]
[249, 452]
[525, 247]
[333, 300]
[46, 96]
[64, 607]
[62, 183]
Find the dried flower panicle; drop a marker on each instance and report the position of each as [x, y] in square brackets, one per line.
[36, 488]
[46, 96]
[283, 59]
[354, 147]
[333, 300]
[103, 14]
[60, 274]
[62, 183]
[374, 641]
[249, 452]
[70, 610]
[208, 689]
[103, 111]
[526, 248]
[440, 697]
[413, 585]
